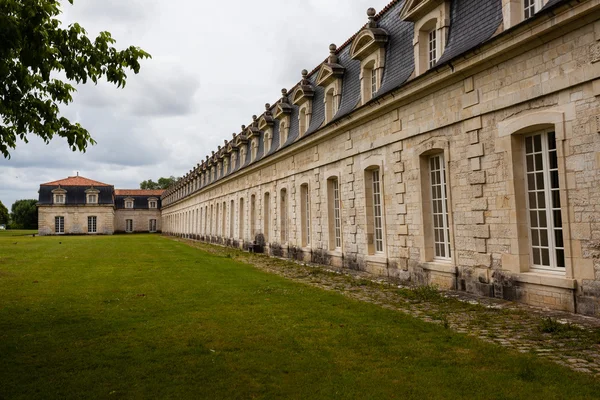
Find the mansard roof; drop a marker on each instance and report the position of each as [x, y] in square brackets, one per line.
[75, 181]
[472, 23]
[138, 192]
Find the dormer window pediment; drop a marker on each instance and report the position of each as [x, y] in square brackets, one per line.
[370, 39]
[253, 131]
[329, 73]
[59, 196]
[283, 107]
[305, 91]
[413, 10]
[266, 120]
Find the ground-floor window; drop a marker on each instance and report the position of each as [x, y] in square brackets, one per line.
[152, 225]
[439, 207]
[59, 224]
[543, 202]
[128, 225]
[91, 224]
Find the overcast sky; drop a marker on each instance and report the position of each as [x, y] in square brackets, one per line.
[214, 65]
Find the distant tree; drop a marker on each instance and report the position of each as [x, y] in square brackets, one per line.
[3, 214]
[35, 53]
[24, 214]
[162, 183]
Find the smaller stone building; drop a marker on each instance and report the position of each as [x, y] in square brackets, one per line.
[78, 205]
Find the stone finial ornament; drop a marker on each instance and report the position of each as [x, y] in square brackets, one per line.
[333, 58]
[267, 107]
[371, 14]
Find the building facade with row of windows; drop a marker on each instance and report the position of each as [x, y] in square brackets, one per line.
[77, 205]
[448, 142]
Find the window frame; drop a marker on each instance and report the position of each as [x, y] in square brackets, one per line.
[60, 225]
[444, 214]
[152, 224]
[128, 225]
[549, 209]
[92, 224]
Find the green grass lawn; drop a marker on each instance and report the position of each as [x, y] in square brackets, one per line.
[18, 232]
[142, 316]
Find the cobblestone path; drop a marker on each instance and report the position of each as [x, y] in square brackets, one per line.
[565, 338]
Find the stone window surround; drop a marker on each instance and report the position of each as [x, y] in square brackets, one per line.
[56, 195]
[305, 186]
[253, 149]
[424, 151]
[510, 134]
[332, 100]
[268, 139]
[153, 200]
[284, 217]
[331, 237]
[372, 256]
[129, 202]
[267, 207]
[438, 19]
[513, 11]
[88, 196]
[374, 63]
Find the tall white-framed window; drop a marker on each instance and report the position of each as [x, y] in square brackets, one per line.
[128, 203]
[92, 198]
[241, 218]
[92, 224]
[267, 216]
[305, 214]
[282, 133]
[253, 216]
[543, 202]
[303, 121]
[335, 220]
[439, 208]
[152, 204]
[283, 215]
[432, 48]
[373, 81]
[231, 219]
[152, 225]
[128, 225]
[529, 8]
[59, 224]
[377, 211]
[224, 219]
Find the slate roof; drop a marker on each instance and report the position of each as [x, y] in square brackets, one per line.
[76, 194]
[140, 202]
[138, 192]
[75, 181]
[472, 23]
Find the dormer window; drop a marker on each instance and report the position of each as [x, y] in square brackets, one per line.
[303, 99]
[129, 203]
[283, 133]
[369, 48]
[59, 196]
[91, 196]
[152, 203]
[254, 148]
[265, 124]
[330, 78]
[283, 110]
[430, 18]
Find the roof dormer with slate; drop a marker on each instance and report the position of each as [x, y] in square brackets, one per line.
[330, 78]
[368, 47]
[303, 97]
[431, 20]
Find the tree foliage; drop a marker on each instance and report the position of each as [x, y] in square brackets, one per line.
[34, 49]
[162, 183]
[24, 214]
[3, 214]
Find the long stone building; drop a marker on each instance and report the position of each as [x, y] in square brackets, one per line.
[454, 143]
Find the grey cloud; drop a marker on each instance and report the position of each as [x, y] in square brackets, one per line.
[111, 10]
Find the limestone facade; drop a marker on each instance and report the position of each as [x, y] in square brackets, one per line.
[481, 174]
[76, 219]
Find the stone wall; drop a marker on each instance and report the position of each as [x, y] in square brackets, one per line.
[141, 219]
[76, 219]
[475, 114]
